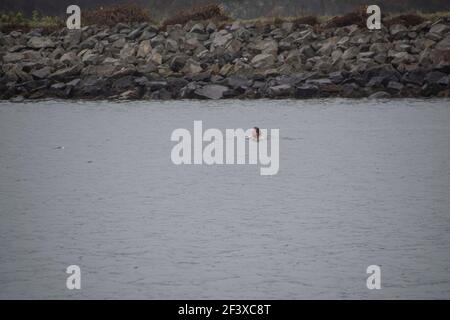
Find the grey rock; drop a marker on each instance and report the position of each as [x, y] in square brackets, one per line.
[171, 45]
[192, 67]
[58, 86]
[282, 90]
[198, 28]
[17, 99]
[66, 72]
[188, 91]
[434, 76]
[444, 43]
[337, 77]
[135, 34]
[157, 85]
[238, 82]
[439, 28]
[72, 39]
[69, 58]
[73, 83]
[123, 83]
[221, 38]
[144, 49]
[147, 35]
[306, 91]
[211, 27]
[398, 31]
[376, 81]
[13, 57]
[265, 46]
[40, 43]
[380, 95]
[350, 53]
[127, 52]
[415, 77]
[430, 89]
[308, 51]
[130, 94]
[394, 86]
[178, 62]
[42, 73]
[444, 81]
[90, 58]
[119, 43]
[212, 91]
[263, 60]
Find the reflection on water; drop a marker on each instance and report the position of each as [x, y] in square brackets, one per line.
[92, 184]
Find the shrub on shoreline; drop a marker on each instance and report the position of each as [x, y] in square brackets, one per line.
[17, 21]
[408, 20]
[358, 17]
[208, 12]
[112, 15]
[131, 13]
[310, 20]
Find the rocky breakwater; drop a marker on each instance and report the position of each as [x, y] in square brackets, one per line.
[200, 60]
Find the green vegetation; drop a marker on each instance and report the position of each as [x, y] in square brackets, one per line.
[17, 21]
[131, 13]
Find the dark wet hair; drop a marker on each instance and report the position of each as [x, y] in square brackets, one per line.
[257, 133]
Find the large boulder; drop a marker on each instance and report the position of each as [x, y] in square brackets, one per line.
[69, 58]
[171, 45]
[350, 53]
[398, 31]
[439, 29]
[127, 51]
[380, 95]
[178, 62]
[415, 77]
[192, 67]
[63, 74]
[306, 91]
[198, 28]
[282, 90]
[434, 77]
[379, 47]
[155, 57]
[238, 82]
[40, 43]
[144, 49]
[12, 57]
[72, 39]
[268, 46]
[444, 43]
[263, 61]
[90, 57]
[221, 38]
[211, 91]
[42, 73]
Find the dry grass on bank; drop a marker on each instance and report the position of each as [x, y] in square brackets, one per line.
[112, 15]
[211, 12]
[132, 14]
[358, 17]
[408, 20]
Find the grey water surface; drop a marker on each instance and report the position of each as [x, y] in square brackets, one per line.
[92, 184]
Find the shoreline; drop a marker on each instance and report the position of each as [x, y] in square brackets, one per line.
[239, 60]
[16, 100]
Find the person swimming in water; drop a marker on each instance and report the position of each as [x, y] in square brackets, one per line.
[256, 134]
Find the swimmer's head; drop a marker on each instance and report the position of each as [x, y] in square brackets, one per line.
[256, 133]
